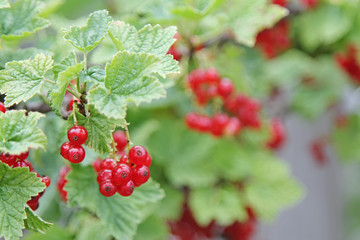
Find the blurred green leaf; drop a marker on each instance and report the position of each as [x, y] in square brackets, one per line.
[35, 223]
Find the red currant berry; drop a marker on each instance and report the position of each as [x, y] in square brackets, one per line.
[137, 155]
[140, 175]
[120, 140]
[204, 123]
[148, 161]
[77, 134]
[127, 189]
[124, 159]
[277, 134]
[46, 180]
[104, 175]
[33, 203]
[225, 88]
[191, 120]
[2, 107]
[23, 156]
[107, 163]
[107, 189]
[212, 76]
[76, 154]
[24, 163]
[175, 52]
[8, 159]
[97, 165]
[62, 182]
[218, 124]
[233, 127]
[65, 149]
[121, 174]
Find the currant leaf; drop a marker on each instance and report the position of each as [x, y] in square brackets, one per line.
[228, 205]
[21, 80]
[120, 215]
[21, 19]
[250, 17]
[34, 223]
[93, 75]
[127, 79]
[8, 55]
[18, 132]
[88, 37]
[100, 129]
[22, 184]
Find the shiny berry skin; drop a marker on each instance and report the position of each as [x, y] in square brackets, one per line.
[46, 180]
[120, 140]
[65, 149]
[104, 175]
[137, 155]
[225, 88]
[7, 158]
[124, 159]
[107, 189]
[127, 189]
[140, 175]
[76, 154]
[2, 107]
[23, 156]
[24, 163]
[77, 135]
[148, 161]
[97, 165]
[107, 163]
[121, 174]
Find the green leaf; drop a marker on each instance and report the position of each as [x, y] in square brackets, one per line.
[17, 185]
[150, 39]
[93, 74]
[153, 228]
[127, 79]
[21, 80]
[226, 204]
[8, 55]
[34, 223]
[346, 139]
[88, 37]
[250, 17]
[120, 215]
[65, 64]
[21, 19]
[195, 10]
[18, 132]
[54, 233]
[4, 4]
[92, 229]
[100, 129]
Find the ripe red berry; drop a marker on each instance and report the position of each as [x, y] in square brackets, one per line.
[2, 107]
[126, 189]
[233, 127]
[175, 52]
[46, 180]
[65, 149]
[7, 158]
[107, 163]
[107, 189]
[33, 203]
[137, 155]
[148, 161]
[121, 174]
[218, 124]
[97, 165]
[140, 175]
[62, 182]
[76, 154]
[24, 163]
[212, 76]
[104, 175]
[124, 159]
[277, 134]
[77, 134]
[22, 156]
[225, 88]
[120, 140]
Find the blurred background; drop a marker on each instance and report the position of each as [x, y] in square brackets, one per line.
[286, 168]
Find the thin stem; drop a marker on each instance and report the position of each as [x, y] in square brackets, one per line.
[50, 81]
[72, 91]
[74, 115]
[127, 137]
[85, 61]
[113, 153]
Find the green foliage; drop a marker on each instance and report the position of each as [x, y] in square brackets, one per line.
[21, 80]
[22, 185]
[120, 215]
[18, 132]
[88, 37]
[21, 19]
[54, 233]
[35, 223]
[4, 4]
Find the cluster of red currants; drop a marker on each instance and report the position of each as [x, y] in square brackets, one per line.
[62, 182]
[15, 161]
[72, 150]
[275, 40]
[130, 171]
[349, 63]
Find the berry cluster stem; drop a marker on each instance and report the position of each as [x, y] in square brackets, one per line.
[127, 137]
